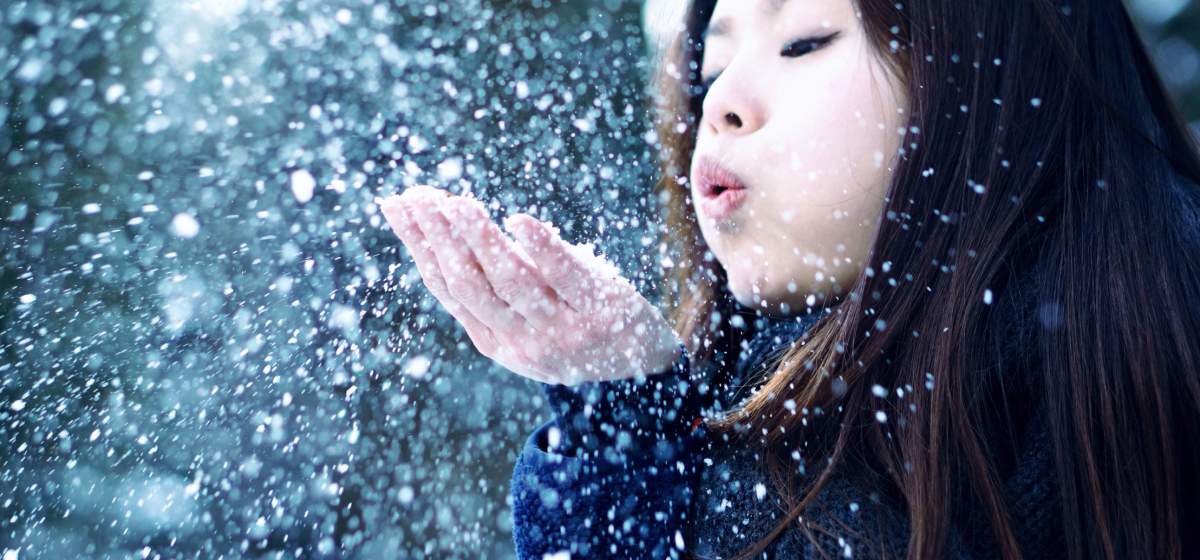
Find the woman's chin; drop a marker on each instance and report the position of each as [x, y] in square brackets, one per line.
[759, 296]
[744, 299]
[778, 300]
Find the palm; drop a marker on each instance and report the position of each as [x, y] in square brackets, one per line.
[531, 302]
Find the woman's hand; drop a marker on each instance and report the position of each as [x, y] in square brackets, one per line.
[533, 303]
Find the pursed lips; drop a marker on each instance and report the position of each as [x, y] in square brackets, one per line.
[720, 191]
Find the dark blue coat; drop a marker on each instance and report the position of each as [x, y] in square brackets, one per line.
[624, 470]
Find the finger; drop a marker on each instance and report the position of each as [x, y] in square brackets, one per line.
[464, 278]
[513, 280]
[577, 283]
[505, 354]
[402, 224]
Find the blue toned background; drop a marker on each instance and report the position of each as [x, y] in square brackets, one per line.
[210, 344]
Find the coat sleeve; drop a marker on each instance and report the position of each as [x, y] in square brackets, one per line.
[611, 473]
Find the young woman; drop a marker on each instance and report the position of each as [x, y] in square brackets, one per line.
[936, 293]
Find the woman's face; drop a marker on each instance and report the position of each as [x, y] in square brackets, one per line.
[812, 128]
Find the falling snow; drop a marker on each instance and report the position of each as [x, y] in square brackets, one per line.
[303, 185]
[184, 225]
[213, 346]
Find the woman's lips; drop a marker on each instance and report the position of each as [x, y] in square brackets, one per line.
[720, 191]
[722, 203]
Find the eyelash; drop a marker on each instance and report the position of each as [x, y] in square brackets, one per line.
[810, 43]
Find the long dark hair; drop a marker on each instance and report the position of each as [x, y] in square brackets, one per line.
[1038, 132]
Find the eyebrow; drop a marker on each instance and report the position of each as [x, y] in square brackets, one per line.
[723, 27]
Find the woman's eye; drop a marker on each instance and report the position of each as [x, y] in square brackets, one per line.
[801, 47]
[797, 48]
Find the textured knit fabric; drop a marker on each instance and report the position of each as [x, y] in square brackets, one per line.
[735, 505]
[623, 469]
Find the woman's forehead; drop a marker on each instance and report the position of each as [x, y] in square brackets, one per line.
[729, 16]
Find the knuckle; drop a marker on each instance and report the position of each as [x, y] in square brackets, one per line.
[446, 300]
[436, 285]
[427, 269]
[560, 276]
[461, 289]
[482, 338]
[458, 265]
[443, 296]
[508, 290]
[510, 316]
[484, 346]
[505, 357]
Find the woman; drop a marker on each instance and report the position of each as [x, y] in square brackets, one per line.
[935, 284]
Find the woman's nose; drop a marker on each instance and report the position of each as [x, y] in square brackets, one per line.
[729, 111]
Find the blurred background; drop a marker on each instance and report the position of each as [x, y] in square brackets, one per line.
[211, 346]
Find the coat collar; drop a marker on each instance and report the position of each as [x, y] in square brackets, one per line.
[767, 336]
